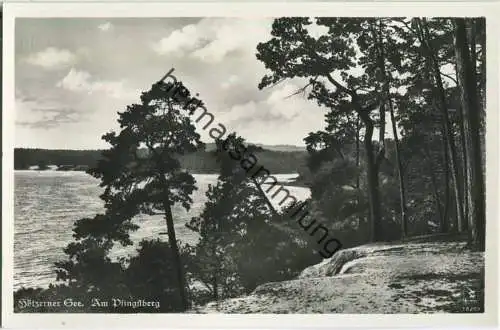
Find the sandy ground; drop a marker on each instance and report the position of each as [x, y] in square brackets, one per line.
[375, 278]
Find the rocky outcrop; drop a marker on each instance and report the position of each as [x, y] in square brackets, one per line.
[375, 278]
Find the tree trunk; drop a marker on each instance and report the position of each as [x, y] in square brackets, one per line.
[441, 100]
[357, 152]
[465, 183]
[386, 86]
[385, 82]
[471, 113]
[358, 173]
[442, 218]
[215, 287]
[264, 196]
[402, 193]
[464, 159]
[372, 162]
[217, 264]
[480, 24]
[177, 258]
[181, 280]
[446, 168]
[373, 187]
[437, 200]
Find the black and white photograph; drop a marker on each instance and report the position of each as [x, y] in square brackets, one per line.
[283, 164]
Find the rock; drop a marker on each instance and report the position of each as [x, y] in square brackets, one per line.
[374, 278]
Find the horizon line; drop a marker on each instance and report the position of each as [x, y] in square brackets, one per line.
[98, 149]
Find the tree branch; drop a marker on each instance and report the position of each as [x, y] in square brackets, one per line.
[407, 26]
[449, 77]
[341, 87]
[302, 89]
[278, 82]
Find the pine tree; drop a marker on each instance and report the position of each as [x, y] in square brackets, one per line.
[141, 173]
[234, 206]
[244, 241]
[471, 109]
[347, 44]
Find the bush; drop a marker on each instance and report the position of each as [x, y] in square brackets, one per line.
[105, 286]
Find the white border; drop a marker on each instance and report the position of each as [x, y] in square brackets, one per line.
[12, 10]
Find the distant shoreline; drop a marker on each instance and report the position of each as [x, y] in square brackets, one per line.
[296, 181]
[201, 161]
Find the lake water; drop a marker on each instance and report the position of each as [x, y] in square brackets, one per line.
[48, 202]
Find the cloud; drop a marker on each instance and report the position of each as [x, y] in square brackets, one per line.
[231, 81]
[179, 41]
[52, 58]
[289, 119]
[212, 39]
[279, 105]
[232, 35]
[82, 81]
[214, 57]
[35, 114]
[105, 26]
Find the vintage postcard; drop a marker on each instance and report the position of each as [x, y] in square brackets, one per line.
[250, 164]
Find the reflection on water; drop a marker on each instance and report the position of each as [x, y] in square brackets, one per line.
[48, 202]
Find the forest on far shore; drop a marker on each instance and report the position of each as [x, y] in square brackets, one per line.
[202, 162]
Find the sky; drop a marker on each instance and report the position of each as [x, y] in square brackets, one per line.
[73, 75]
